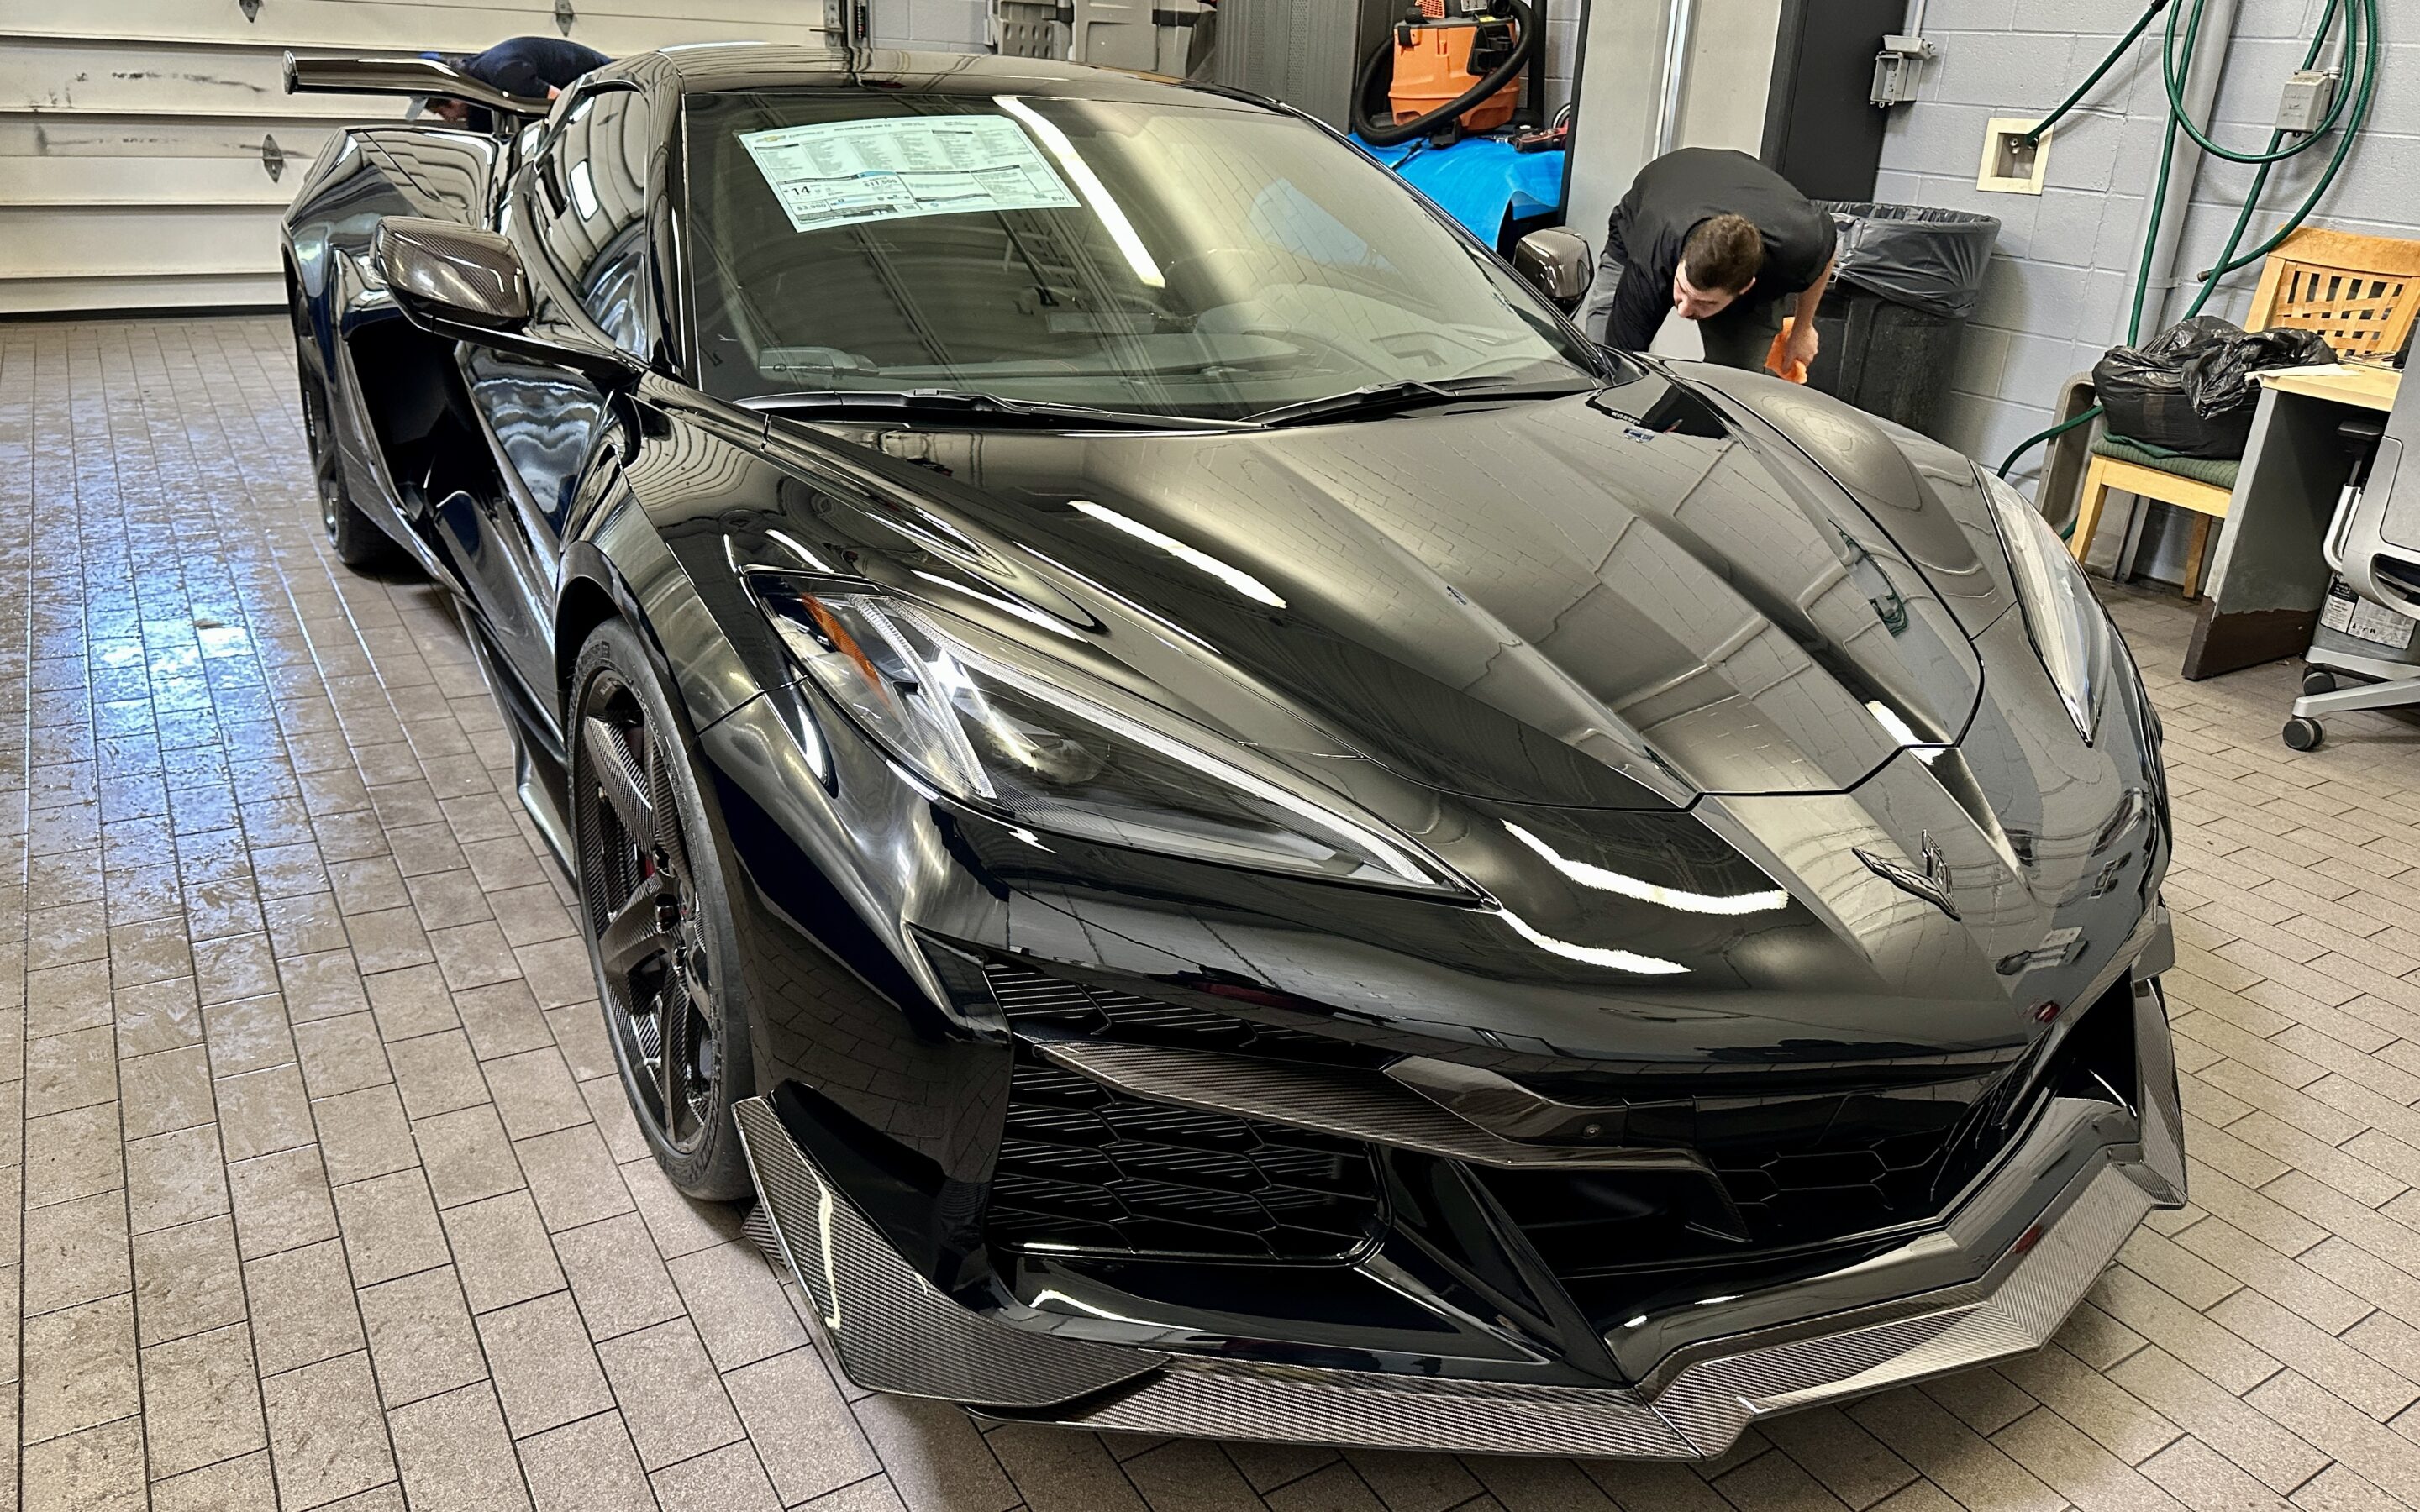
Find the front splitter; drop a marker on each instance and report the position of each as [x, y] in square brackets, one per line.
[892, 1331]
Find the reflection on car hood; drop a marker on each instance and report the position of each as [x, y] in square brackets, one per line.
[1614, 602]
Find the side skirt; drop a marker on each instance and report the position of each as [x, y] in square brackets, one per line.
[537, 776]
[537, 801]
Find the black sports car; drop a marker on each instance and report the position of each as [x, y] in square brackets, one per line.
[1235, 830]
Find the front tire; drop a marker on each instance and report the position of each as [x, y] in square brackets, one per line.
[655, 909]
[357, 539]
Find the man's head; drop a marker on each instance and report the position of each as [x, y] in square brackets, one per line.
[1718, 263]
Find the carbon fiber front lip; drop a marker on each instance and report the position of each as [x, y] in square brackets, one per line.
[1715, 1399]
[1698, 1415]
[891, 1331]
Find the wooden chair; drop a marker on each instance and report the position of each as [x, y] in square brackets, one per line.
[2110, 474]
[2359, 292]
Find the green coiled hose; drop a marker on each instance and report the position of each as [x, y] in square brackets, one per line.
[2345, 119]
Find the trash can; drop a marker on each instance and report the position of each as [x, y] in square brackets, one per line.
[1905, 285]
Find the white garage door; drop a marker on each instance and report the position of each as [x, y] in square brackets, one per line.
[147, 146]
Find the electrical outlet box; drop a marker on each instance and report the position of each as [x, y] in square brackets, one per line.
[2010, 164]
[1897, 69]
[2310, 94]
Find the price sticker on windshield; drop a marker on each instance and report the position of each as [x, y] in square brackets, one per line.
[847, 173]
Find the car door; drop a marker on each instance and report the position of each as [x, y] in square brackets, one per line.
[578, 209]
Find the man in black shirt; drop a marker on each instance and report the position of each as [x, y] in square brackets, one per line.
[1726, 242]
[533, 68]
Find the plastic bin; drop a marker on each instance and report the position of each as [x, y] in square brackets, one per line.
[1905, 286]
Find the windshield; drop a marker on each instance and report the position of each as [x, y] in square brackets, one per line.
[1179, 259]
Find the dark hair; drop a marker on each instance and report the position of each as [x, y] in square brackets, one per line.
[1725, 252]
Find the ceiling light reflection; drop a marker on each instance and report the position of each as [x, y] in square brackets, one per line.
[1605, 880]
[1002, 603]
[1234, 578]
[1087, 183]
[1595, 956]
[800, 551]
[1902, 733]
[1081, 1306]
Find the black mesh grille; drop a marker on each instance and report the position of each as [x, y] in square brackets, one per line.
[1814, 1170]
[1085, 1167]
[1792, 1173]
[1802, 1165]
[1872, 1164]
[1035, 1002]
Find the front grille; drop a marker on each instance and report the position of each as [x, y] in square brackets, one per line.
[1794, 1171]
[1798, 1164]
[1084, 1167]
[1814, 1170]
[1870, 1181]
[1846, 1164]
[1863, 1161]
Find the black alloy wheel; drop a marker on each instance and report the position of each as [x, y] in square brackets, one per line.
[357, 540]
[657, 917]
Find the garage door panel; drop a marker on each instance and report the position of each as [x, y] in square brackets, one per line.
[131, 130]
[62, 136]
[287, 23]
[39, 76]
[461, 26]
[129, 180]
[50, 242]
[183, 291]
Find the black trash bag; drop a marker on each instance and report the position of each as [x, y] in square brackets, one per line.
[2218, 380]
[2143, 391]
[2190, 391]
[1913, 254]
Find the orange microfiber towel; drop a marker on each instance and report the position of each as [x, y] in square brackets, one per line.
[1777, 363]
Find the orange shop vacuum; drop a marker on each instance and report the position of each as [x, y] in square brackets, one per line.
[1445, 69]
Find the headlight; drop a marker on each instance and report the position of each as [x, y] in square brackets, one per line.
[2069, 630]
[1051, 748]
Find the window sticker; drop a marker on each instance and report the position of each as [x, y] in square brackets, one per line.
[843, 173]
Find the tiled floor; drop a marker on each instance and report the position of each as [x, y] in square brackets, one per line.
[329, 1198]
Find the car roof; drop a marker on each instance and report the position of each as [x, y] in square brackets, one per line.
[711, 67]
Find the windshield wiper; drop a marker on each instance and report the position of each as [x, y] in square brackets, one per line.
[972, 403]
[1409, 393]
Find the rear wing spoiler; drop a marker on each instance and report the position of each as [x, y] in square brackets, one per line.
[404, 76]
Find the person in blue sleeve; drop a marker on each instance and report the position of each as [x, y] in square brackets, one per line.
[534, 68]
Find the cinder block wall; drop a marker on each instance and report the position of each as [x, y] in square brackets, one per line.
[1562, 46]
[2058, 291]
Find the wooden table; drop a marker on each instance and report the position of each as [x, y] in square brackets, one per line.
[2267, 584]
[2364, 385]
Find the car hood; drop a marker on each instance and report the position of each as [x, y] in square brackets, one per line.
[1660, 686]
[1615, 600]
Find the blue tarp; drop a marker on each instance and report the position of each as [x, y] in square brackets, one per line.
[1479, 180]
